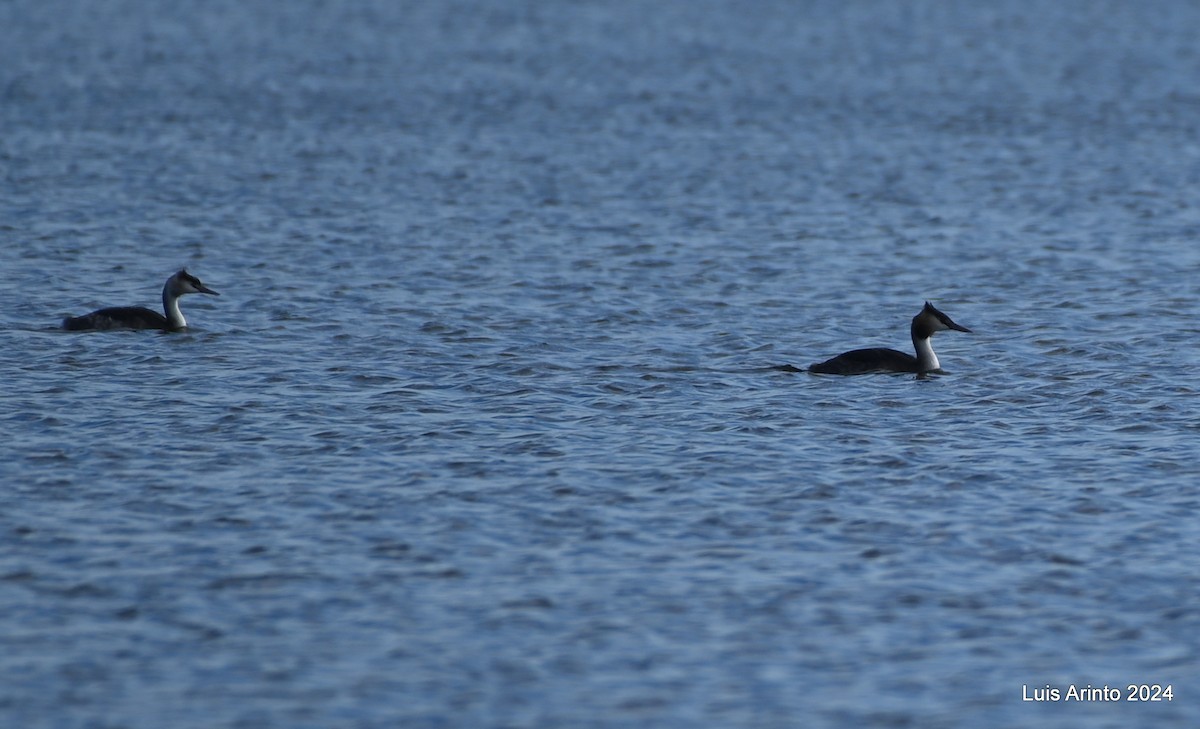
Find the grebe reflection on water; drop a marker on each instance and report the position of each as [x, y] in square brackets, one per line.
[137, 317]
[868, 361]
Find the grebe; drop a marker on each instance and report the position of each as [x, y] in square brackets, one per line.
[866, 361]
[137, 317]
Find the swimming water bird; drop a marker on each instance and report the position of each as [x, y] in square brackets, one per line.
[868, 361]
[137, 317]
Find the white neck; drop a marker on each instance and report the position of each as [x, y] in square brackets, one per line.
[927, 361]
[174, 315]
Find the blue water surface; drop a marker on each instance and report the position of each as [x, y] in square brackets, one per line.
[487, 429]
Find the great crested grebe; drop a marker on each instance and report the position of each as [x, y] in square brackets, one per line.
[879, 359]
[137, 317]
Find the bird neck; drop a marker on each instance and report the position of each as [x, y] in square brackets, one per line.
[927, 361]
[171, 308]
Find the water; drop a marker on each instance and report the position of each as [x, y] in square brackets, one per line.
[484, 431]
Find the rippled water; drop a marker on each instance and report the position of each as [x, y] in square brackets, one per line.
[485, 428]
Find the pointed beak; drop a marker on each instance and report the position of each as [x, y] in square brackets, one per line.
[206, 290]
[957, 327]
